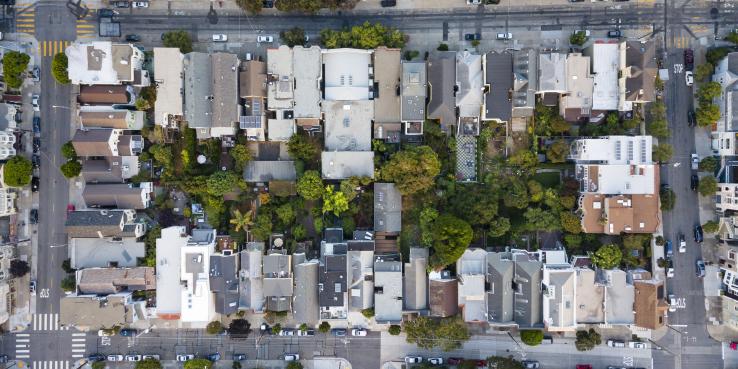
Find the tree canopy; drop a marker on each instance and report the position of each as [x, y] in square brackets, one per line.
[198, 364]
[364, 36]
[241, 155]
[293, 36]
[531, 337]
[239, 327]
[711, 226]
[214, 327]
[14, 68]
[180, 39]
[71, 169]
[17, 172]
[413, 170]
[707, 186]
[578, 38]
[451, 237]
[68, 152]
[427, 333]
[662, 152]
[607, 256]
[19, 268]
[539, 219]
[557, 151]
[587, 340]
[334, 201]
[250, 6]
[222, 182]
[310, 185]
[59, 66]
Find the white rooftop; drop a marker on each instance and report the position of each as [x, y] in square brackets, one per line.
[168, 248]
[168, 67]
[613, 150]
[307, 72]
[623, 179]
[348, 125]
[347, 74]
[197, 299]
[280, 81]
[346, 164]
[605, 61]
[102, 62]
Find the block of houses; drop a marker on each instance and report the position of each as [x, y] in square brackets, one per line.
[414, 88]
[278, 281]
[251, 278]
[724, 132]
[559, 297]
[387, 73]
[470, 270]
[360, 268]
[415, 284]
[305, 307]
[443, 289]
[619, 184]
[252, 89]
[525, 83]
[605, 56]
[169, 78]
[106, 142]
[7, 253]
[638, 70]
[104, 224]
[110, 169]
[7, 144]
[106, 63]
[118, 195]
[498, 81]
[107, 281]
[7, 198]
[211, 94]
[551, 77]
[388, 288]
[224, 281]
[91, 312]
[105, 95]
[106, 117]
[442, 82]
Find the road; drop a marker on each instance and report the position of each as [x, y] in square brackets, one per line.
[687, 343]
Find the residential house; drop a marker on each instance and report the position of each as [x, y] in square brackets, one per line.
[169, 79]
[106, 63]
[471, 270]
[576, 103]
[197, 300]
[338, 165]
[106, 142]
[251, 278]
[605, 56]
[7, 145]
[638, 70]
[307, 71]
[498, 81]
[281, 87]
[525, 84]
[442, 290]
[252, 89]
[388, 288]
[278, 281]
[619, 184]
[224, 281]
[442, 81]
[469, 101]
[107, 281]
[265, 171]
[7, 200]
[169, 248]
[649, 304]
[559, 298]
[590, 297]
[105, 252]
[551, 77]
[110, 169]
[414, 88]
[118, 195]
[10, 116]
[105, 95]
[500, 293]
[91, 312]
[387, 216]
[360, 259]
[528, 283]
[415, 285]
[305, 308]
[211, 94]
[387, 72]
[103, 224]
[332, 276]
[7, 254]
[619, 298]
[105, 117]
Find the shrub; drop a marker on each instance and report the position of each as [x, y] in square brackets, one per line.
[587, 340]
[14, 66]
[71, 169]
[68, 151]
[214, 327]
[368, 313]
[148, 364]
[324, 327]
[442, 47]
[198, 364]
[59, 66]
[710, 226]
[394, 329]
[531, 337]
[180, 39]
[98, 365]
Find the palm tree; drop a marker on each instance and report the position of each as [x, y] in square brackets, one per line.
[241, 221]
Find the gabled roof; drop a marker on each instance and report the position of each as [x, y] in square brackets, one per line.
[640, 58]
[111, 118]
[224, 283]
[499, 78]
[198, 86]
[251, 288]
[650, 307]
[103, 94]
[105, 281]
[225, 93]
[528, 276]
[265, 171]
[252, 79]
[442, 79]
[470, 82]
[94, 142]
[500, 295]
[122, 196]
[96, 223]
[305, 306]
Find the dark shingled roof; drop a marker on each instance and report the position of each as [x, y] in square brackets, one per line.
[224, 283]
[442, 79]
[332, 276]
[499, 77]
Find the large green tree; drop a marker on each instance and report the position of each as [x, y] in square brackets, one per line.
[707, 186]
[310, 185]
[251, 6]
[71, 169]
[14, 67]
[222, 182]
[334, 201]
[607, 256]
[531, 337]
[558, 151]
[241, 155]
[707, 114]
[708, 92]
[293, 36]
[364, 36]
[180, 39]
[451, 237]
[17, 172]
[587, 340]
[428, 333]
[413, 170]
[662, 152]
[570, 222]
[302, 147]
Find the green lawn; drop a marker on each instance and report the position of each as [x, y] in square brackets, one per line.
[548, 179]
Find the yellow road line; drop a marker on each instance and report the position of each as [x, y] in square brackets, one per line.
[43, 43]
[85, 26]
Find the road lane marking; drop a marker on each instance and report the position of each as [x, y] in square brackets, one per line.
[77, 334]
[23, 351]
[22, 340]
[22, 356]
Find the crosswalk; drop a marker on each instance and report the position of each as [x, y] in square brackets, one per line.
[681, 42]
[52, 364]
[47, 322]
[25, 20]
[22, 345]
[86, 27]
[51, 48]
[79, 341]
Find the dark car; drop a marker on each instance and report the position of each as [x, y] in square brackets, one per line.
[694, 181]
[454, 360]
[121, 4]
[614, 33]
[472, 36]
[267, 4]
[128, 332]
[34, 216]
[388, 3]
[96, 357]
[3, 358]
[338, 332]
[36, 144]
[133, 38]
[691, 118]
[36, 124]
[105, 13]
[35, 160]
[688, 59]
[698, 236]
[239, 357]
[214, 357]
[35, 182]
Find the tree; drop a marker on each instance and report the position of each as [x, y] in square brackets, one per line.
[262, 227]
[14, 66]
[241, 155]
[587, 340]
[221, 182]
[499, 227]
[59, 71]
[307, 6]
[658, 127]
[251, 6]
[524, 159]
[239, 328]
[531, 337]
[364, 36]
[442, 47]
[607, 256]
[148, 364]
[276, 328]
[413, 170]
[69, 283]
[709, 164]
[707, 114]
[662, 152]
[476, 204]
[412, 54]
[19, 268]
[711, 226]
[285, 214]
[294, 365]
[17, 172]
[578, 38]
[236, 365]
[394, 330]
[451, 237]
[198, 364]
[668, 199]
[293, 36]
[447, 334]
[707, 186]
[324, 327]
[535, 190]
[708, 92]
[538, 219]
[557, 151]
[570, 222]
[68, 152]
[368, 313]
[99, 364]
[71, 169]
[214, 327]
[142, 105]
[162, 154]
[334, 202]
[180, 39]
[703, 72]
[310, 185]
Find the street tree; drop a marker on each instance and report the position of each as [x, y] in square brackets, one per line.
[324, 327]
[148, 364]
[71, 169]
[17, 172]
[662, 152]
[394, 330]
[703, 72]
[180, 39]
[707, 186]
[707, 114]
[198, 364]
[240, 328]
[531, 337]
[214, 327]
[607, 256]
[668, 199]
[251, 6]
[293, 36]
[59, 70]
[428, 333]
[68, 152]
[587, 340]
[708, 92]
[19, 268]
[14, 68]
[709, 164]
[578, 38]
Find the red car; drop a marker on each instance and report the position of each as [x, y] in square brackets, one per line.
[70, 208]
[454, 360]
[734, 346]
[584, 366]
[481, 363]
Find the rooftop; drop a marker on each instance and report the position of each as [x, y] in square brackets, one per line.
[414, 89]
[168, 73]
[98, 223]
[348, 125]
[264, 171]
[251, 286]
[105, 281]
[470, 82]
[280, 81]
[104, 94]
[347, 74]
[387, 77]
[613, 150]
[442, 81]
[499, 78]
[650, 307]
[605, 61]
[388, 288]
[500, 292]
[198, 86]
[332, 281]
[559, 299]
[118, 195]
[224, 101]
[307, 72]
[579, 86]
[640, 61]
[168, 260]
[252, 79]
[224, 283]
[305, 305]
[442, 293]
[552, 72]
[387, 208]
[103, 252]
[102, 62]
[346, 164]
[416, 280]
[103, 117]
[99, 312]
[590, 297]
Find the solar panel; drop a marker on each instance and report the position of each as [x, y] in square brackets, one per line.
[250, 122]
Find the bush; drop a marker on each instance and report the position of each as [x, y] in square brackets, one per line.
[69, 283]
[198, 364]
[394, 330]
[578, 38]
[71, 169]
[251, 6]
[587, 340]
[148, 364]
[294, 365]
[68, 152]
[17, 172]
[660, 241]
[500, 362]
[180, 39]
[14, 68]
[214, 327]
[442, 47]
[59, 71]
[364, 36]
[411, 54]
[710, 226]
[531, 337]
[276, 328]
[239, 327]
[707, 186]
[324, 327]
[368, 313]
[607, 257]
[98, 365]
[293, 36]
[19, 268]
[668, 198]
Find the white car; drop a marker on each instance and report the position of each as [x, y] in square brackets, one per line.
[672, 303]
[638, 345]
[682, 244]
[115, 357]
[586, 32]
[359, 332]
[689, 78]
[220, 38]
[34, 102]
[105, 333]
[264, 39]
[504, 36]
[291, 357]
[695, 161]
[615, 343]
[183, 357]
[133, 357]
[435, 360]
[669, 272]
[140, 4]
[413, 359]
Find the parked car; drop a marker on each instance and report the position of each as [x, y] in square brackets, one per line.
[306, 333]
[359, 332]
[220, 37]
[140, 4]
[584, 366]
[133, 357]
[454, 360]
[151, 357]
[669, 272]
[472, 36]
[96, 357]
[504, 36]
[682, 243]
[32, 288]
[264, 39]
[695, 161]
[35, 182]
[36, 73]
[413, 359]
[435, 360]
[694, 182]
[287, 332]
[339, 332]
[672, 303]
[614, 33]
[531, 364]
[34, 216]
[585, 31]
[115, 357]
[637, 345]
[734, 345]
[688, 78]
[239, 357]
[700, 268]
[615, 343]
[267, 4]
[291, 357]
[481, 363]
[34, 102]
[185, 357]
[3, 358]
[688, 59]
[37, 125]
[388, 3]
[698, 236]
[36, 144]
[128, 332]
[691, 118]
[121, 4]
[668, 249]
[133, 38]
[214, 357]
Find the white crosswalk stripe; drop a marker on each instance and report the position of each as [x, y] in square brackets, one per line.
[50, 364]
[47, 322]
[22, 345]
